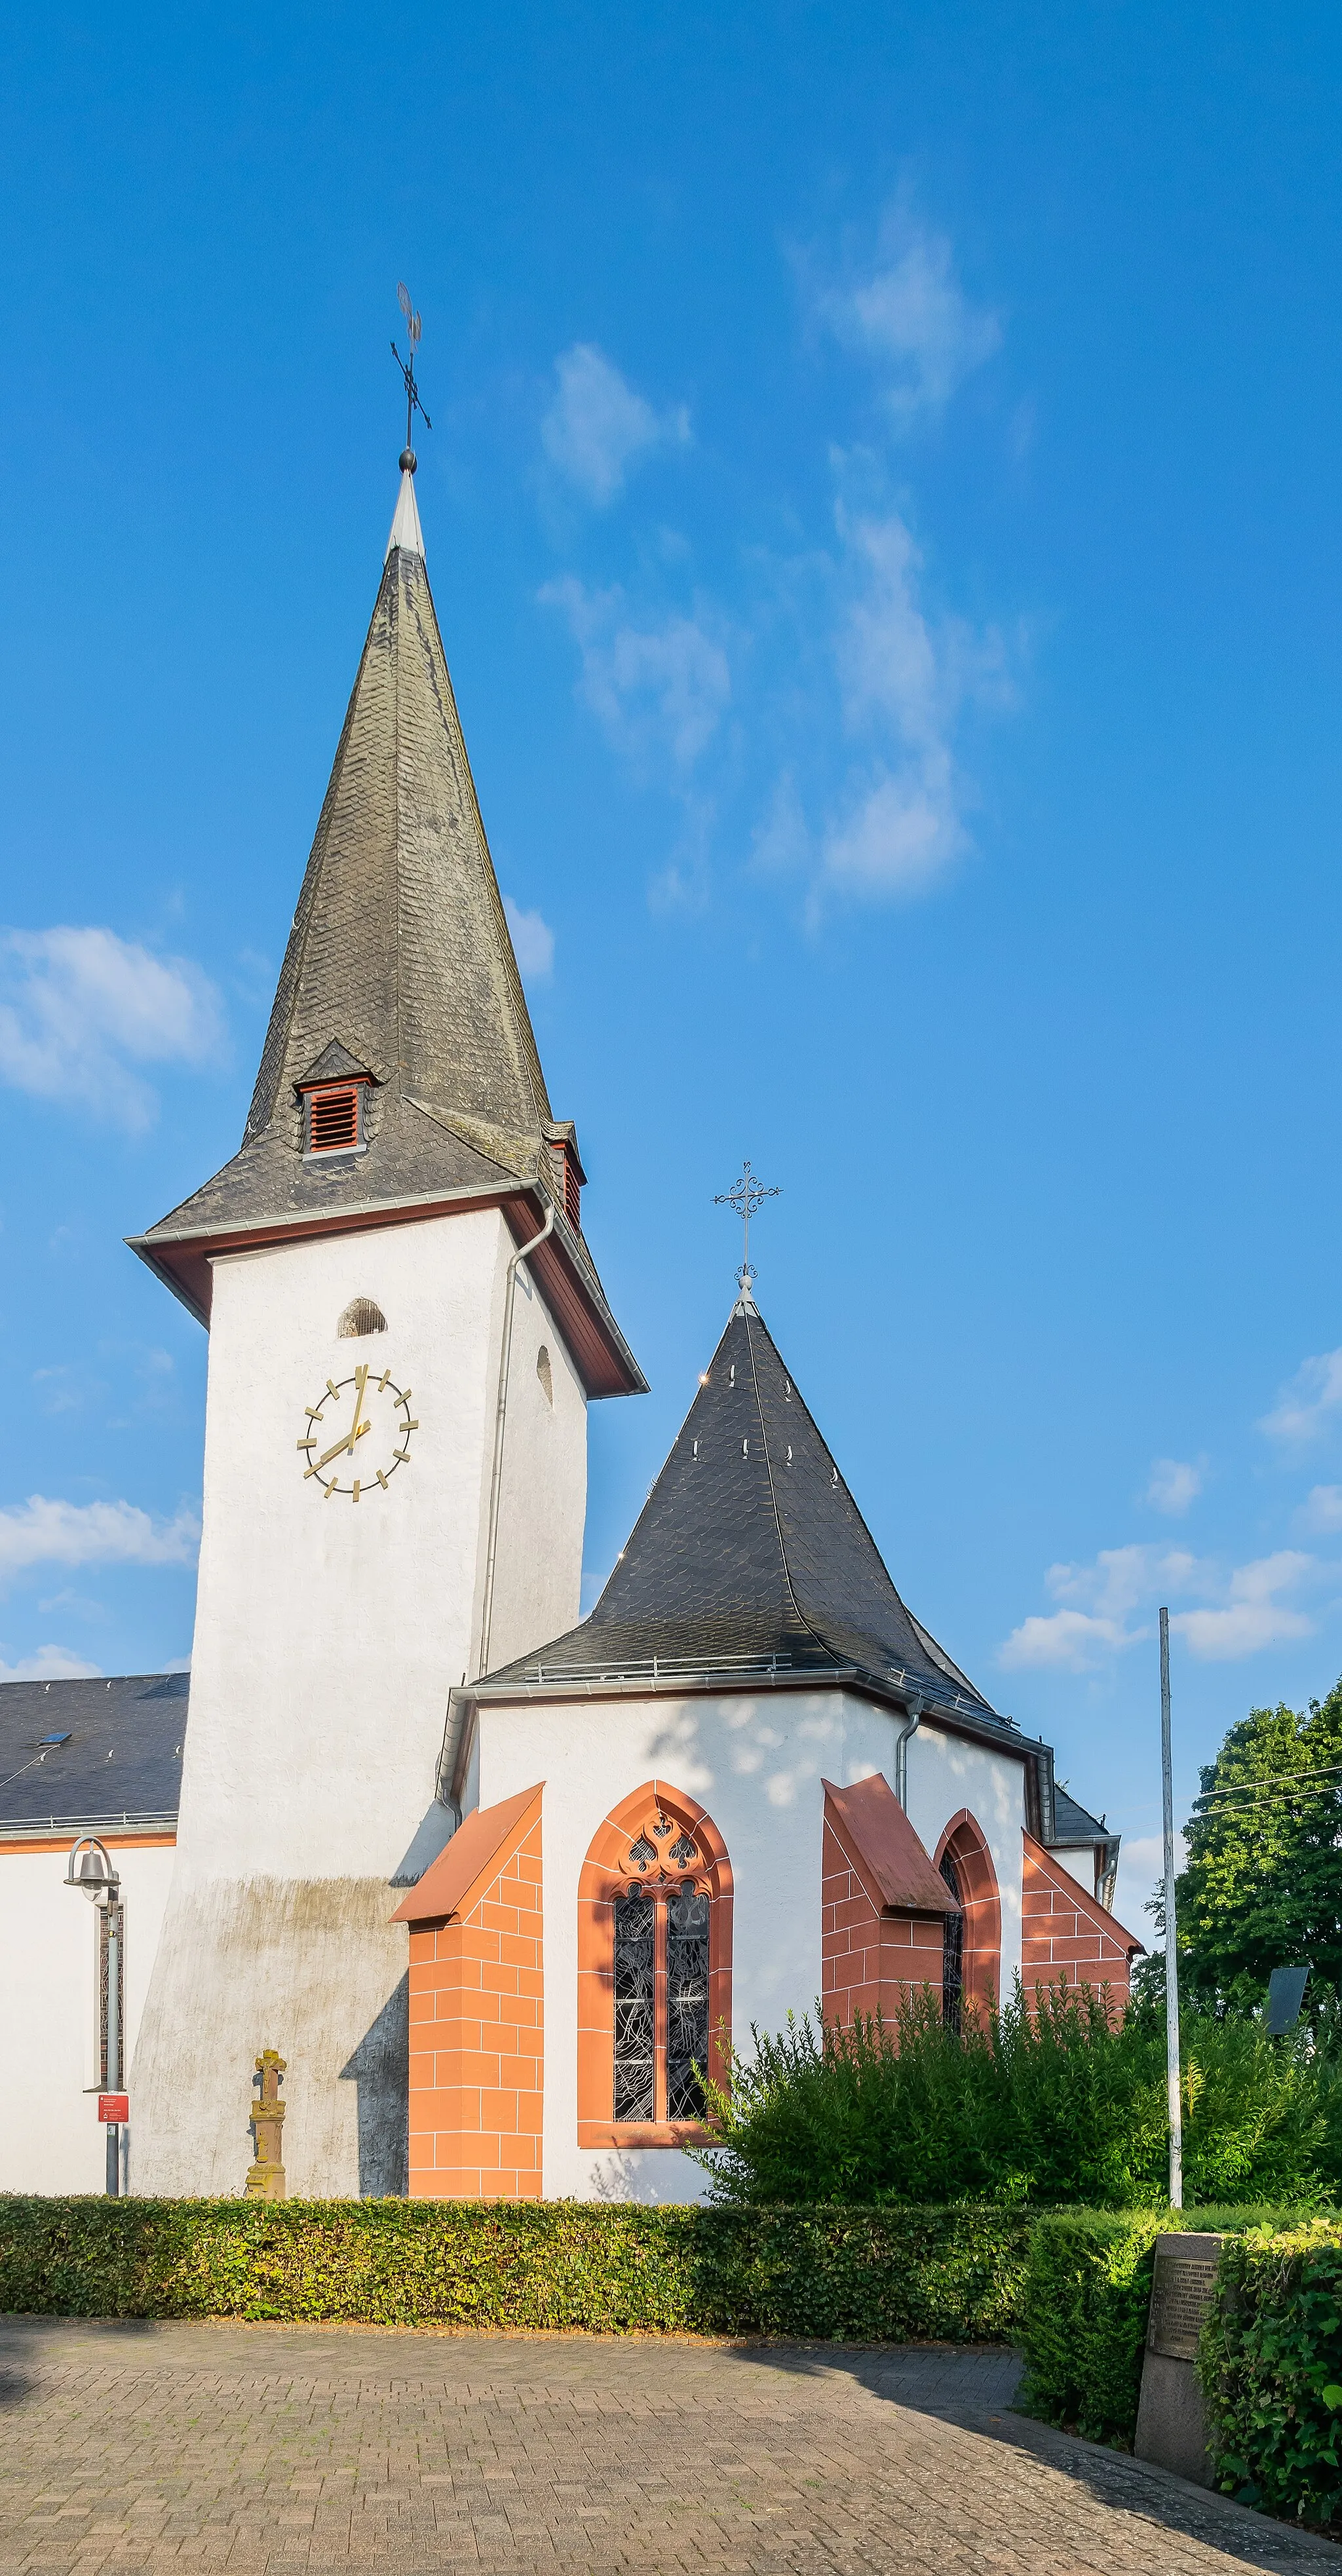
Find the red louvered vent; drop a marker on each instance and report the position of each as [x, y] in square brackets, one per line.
[333, 1118]
[572, 1193]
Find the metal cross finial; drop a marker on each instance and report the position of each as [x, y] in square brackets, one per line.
[414, 326]
[747, 1196]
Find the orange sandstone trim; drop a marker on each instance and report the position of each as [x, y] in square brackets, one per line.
[600, 1881]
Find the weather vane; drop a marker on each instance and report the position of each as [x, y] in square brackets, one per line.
[747, 1197]
[414, 325]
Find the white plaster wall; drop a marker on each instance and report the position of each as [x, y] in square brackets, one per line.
[328, 1636]
[947, 1773]
[543, 1495]
[756, 1763]
[50, 2139]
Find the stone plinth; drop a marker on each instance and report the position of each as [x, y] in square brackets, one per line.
[1171, 2422]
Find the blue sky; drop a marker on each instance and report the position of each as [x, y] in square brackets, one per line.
[882, 505]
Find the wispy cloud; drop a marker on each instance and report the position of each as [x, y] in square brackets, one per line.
[656, 686]
[1110, 1605]
[907, 312]
[597, 426]
[40, 1532]
[50, 1664]
[1254, 1616]
[1309, 1404]
[1321, 1510]
[1175, 1483]
[81, 1010]
[533, 941]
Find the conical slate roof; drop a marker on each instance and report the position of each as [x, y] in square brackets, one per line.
[399, 965]
[750, 1550]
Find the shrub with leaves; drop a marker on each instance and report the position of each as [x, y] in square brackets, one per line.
[1049, 2101]
[1271, 2370]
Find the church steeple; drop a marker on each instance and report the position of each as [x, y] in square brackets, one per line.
[400, 966]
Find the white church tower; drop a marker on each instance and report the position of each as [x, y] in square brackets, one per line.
[395, 1445]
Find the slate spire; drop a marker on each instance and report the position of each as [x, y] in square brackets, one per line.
[399, 965]
[751, 1547]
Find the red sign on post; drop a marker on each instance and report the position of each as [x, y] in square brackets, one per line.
[114, 2107]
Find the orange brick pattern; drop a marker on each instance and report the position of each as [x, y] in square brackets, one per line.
[1067, 1933]
[870, 1958]
[477, 2036]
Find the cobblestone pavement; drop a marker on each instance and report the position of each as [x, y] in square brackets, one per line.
[127, 2448]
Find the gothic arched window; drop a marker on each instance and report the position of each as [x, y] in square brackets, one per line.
[972, 1959]
[654, 1971]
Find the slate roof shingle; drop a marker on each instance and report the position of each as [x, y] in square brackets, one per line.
[750, 1550]
[400, 963]
[120, 1769]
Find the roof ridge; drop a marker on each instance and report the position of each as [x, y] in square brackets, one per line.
[768, 1462]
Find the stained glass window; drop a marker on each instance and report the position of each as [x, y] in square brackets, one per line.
[953, 1954]
[635, 1954]
[686, 2003]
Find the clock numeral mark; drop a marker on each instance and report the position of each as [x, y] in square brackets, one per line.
[356, 1489]
[404, 1397]
[410, 1426]
[404, 1456]
[383, 1382]
[313, 1412]
[331, 1489]
[382, 1480]
[305, 1444]
[331, 1387]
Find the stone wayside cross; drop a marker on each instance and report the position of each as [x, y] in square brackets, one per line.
[265, 2178]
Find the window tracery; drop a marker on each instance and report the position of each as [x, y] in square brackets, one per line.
[654, 1971]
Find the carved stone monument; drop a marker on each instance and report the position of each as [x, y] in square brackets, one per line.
[265, 2178]
[1171, 2424]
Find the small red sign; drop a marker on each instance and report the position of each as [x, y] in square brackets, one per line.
[114, 2106]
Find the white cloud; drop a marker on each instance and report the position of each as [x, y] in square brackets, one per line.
[905, 681]
[40, 1532]
[597, 425]
[910, 315]
[533, 940]
[50, 1664]
[1175, 1483]
[1322, 1509]
[1111, 1605]
[81, 1008]
[661, 686]
[1308, 1404]
[1253, 1617]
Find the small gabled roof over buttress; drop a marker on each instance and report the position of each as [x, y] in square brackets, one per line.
[750, 1552]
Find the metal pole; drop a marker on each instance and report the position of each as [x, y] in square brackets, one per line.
[113, 2040]
[1171, 1945]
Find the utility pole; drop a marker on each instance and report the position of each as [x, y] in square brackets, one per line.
[1171, 1946]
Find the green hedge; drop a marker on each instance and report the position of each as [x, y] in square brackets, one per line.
[853, 2274]
[1084, 2308]
[1271, 2369]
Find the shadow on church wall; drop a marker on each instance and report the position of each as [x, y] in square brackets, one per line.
[380, 2067]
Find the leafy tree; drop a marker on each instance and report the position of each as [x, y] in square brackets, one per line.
[1263, 1884]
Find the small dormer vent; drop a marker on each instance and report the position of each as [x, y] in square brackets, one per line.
[333, 1118]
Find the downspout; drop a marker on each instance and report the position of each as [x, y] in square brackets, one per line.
[912, 1722]
[496, 1481]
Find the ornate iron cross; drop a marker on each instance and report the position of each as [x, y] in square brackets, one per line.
[414, 325]
[746, 1196]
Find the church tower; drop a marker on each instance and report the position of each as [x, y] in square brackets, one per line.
[406, 1327]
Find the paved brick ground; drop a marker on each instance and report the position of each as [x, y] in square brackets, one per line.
[127, 2448]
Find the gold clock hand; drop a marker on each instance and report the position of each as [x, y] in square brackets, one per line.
[346, 1443]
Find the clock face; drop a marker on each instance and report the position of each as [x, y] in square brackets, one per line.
[357, 1435]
